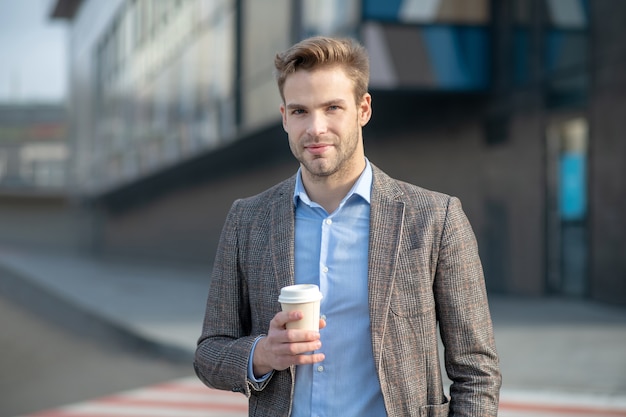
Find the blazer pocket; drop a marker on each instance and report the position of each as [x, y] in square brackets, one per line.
[441, 410]
[412, 293]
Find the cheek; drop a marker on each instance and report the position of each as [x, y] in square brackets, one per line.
[293, 147]
[285, 123]
[292, 138]
[294, 128]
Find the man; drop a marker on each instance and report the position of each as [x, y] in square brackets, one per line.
[392, 260]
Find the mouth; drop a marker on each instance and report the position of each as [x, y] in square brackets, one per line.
[317, 148]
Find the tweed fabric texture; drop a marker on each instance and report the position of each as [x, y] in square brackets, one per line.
[424, 274]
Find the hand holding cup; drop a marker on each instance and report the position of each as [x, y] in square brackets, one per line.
[305, 298]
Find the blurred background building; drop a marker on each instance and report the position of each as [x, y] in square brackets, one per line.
[33, 147]
[517, 107]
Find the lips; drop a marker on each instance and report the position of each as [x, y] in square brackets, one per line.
[317, 149]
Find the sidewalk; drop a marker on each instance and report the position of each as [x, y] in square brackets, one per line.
[555, 353]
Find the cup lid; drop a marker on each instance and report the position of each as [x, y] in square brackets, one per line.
[299, 293]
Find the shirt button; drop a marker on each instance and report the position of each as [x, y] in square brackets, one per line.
[320, 368]
[325, 269]
[323, 317]
[329, 221]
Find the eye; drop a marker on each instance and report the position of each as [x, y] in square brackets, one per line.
[297, 111]
[333, 107]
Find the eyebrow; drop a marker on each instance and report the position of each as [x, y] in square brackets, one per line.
[334, 102]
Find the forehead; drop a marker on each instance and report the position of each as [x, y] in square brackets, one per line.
[324, 80]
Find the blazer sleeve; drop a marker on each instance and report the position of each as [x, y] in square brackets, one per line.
[466, 330]
[222, 353]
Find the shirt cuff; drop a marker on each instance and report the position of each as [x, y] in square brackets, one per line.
[251, 376]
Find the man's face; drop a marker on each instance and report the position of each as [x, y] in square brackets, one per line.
[324, 123]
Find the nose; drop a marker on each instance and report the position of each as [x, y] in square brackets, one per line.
[317, 124]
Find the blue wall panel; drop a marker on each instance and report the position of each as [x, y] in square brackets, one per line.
[459, 56]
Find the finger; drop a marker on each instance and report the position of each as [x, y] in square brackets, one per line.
[299, 336]
[294, 315]
[309, 359]
[283, 317]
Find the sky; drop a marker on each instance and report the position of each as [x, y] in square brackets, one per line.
[33, 52]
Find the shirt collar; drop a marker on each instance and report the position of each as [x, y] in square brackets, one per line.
[362, 186]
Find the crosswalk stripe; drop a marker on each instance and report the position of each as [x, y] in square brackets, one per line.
[552, 404]
[513, 409]
[180, 398]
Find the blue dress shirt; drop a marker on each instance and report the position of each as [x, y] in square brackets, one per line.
[331, 250]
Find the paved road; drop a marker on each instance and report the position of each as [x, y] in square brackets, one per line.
[559, 357]
[49, 371]
[44, 365]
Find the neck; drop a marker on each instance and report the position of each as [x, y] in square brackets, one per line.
[329, 191]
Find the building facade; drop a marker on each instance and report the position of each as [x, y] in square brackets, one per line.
[512, 106]
[33, 147]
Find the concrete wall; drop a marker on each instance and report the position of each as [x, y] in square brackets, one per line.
[183, 225]
[47, 221]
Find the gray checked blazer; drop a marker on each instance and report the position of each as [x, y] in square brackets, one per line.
[424, 271]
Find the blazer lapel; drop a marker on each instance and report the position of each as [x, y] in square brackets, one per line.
[281, 239]
[386, 223]
[281, 236]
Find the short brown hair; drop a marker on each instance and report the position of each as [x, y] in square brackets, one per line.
[320, 51]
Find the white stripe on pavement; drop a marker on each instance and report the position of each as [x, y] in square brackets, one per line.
[560, 404]
[180, 398]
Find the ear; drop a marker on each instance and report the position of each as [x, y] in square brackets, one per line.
[283, 112]
[365, 109]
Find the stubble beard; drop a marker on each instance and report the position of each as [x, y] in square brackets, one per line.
[338, 165]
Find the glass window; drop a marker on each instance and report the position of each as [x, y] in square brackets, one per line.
[267, 30]
[570, 14]
[420, 11]
[566, 52]
[330, 17]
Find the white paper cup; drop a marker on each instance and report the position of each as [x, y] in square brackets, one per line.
[305, 298]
